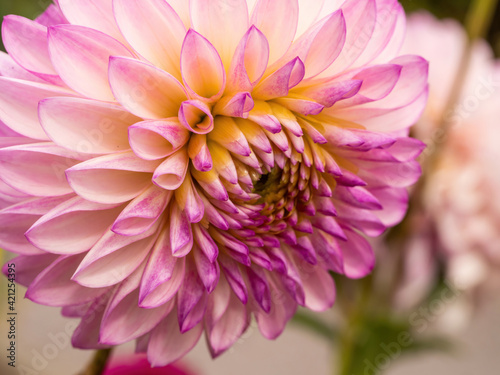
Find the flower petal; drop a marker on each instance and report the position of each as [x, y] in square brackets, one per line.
[152, 140]
[37, 169]
[222, 22]
[72, 227]
[277, 20]
[145, 90]
[26, 43]
[81, 57]
[113, 258]
[202, 70]
[154, 30]
[161, 352]
[54, 287]
[95, 14]
[86, 126]
[19, 105]
[171, 173]
[114, 178]
[142, 212]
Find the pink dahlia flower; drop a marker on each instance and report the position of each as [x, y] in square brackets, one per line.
[462, 196]
[138, 364]
[178, 167]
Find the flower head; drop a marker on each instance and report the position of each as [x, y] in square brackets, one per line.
[182, 166]
[460, 196]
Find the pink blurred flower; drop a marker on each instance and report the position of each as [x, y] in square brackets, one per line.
[184, 166]
[138, 364]
[461, 195]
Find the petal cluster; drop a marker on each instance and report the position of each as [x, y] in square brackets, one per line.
[173, 168]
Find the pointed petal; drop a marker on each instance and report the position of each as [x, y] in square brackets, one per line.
[142, 212]
[198, 152]
[28, 267]
[152, 140]
[37, 169]
[189, 200]
[228, 328]
[19, 105]
[26, 43]
[86, 126]
[95, 14]
[113, 258]
[281, 81]
[154, 30]
[181, 235]
[222, 22]
[277, 19]
[161, 352]
[73, 226]
[54, 287]
[202, 70]
[114, 178]
[81, 57]
[126, 321]
[196, 116]
[171, 173]
[145, 90]
[249, 61]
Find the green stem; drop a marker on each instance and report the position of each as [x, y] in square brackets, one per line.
[479, 17]
[315, 325]
[98, 363]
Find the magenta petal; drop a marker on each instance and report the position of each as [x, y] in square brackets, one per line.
[191, 298]
[358, 255]
[29, 267]
[272, 324]
[17, 219]
[73, 226]
[124, 320]
[279, 82]
[124, 253]
[86, 335]
[114, 178]
[181, 235]
[319, 288]
[249, 62]
[205, 242]
[54, 287]
[161, 352]
[142, 212]
[208, 271]
[228, 328]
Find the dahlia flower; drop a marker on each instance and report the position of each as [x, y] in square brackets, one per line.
[461, 196]
[138, 364]
[179, 167]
